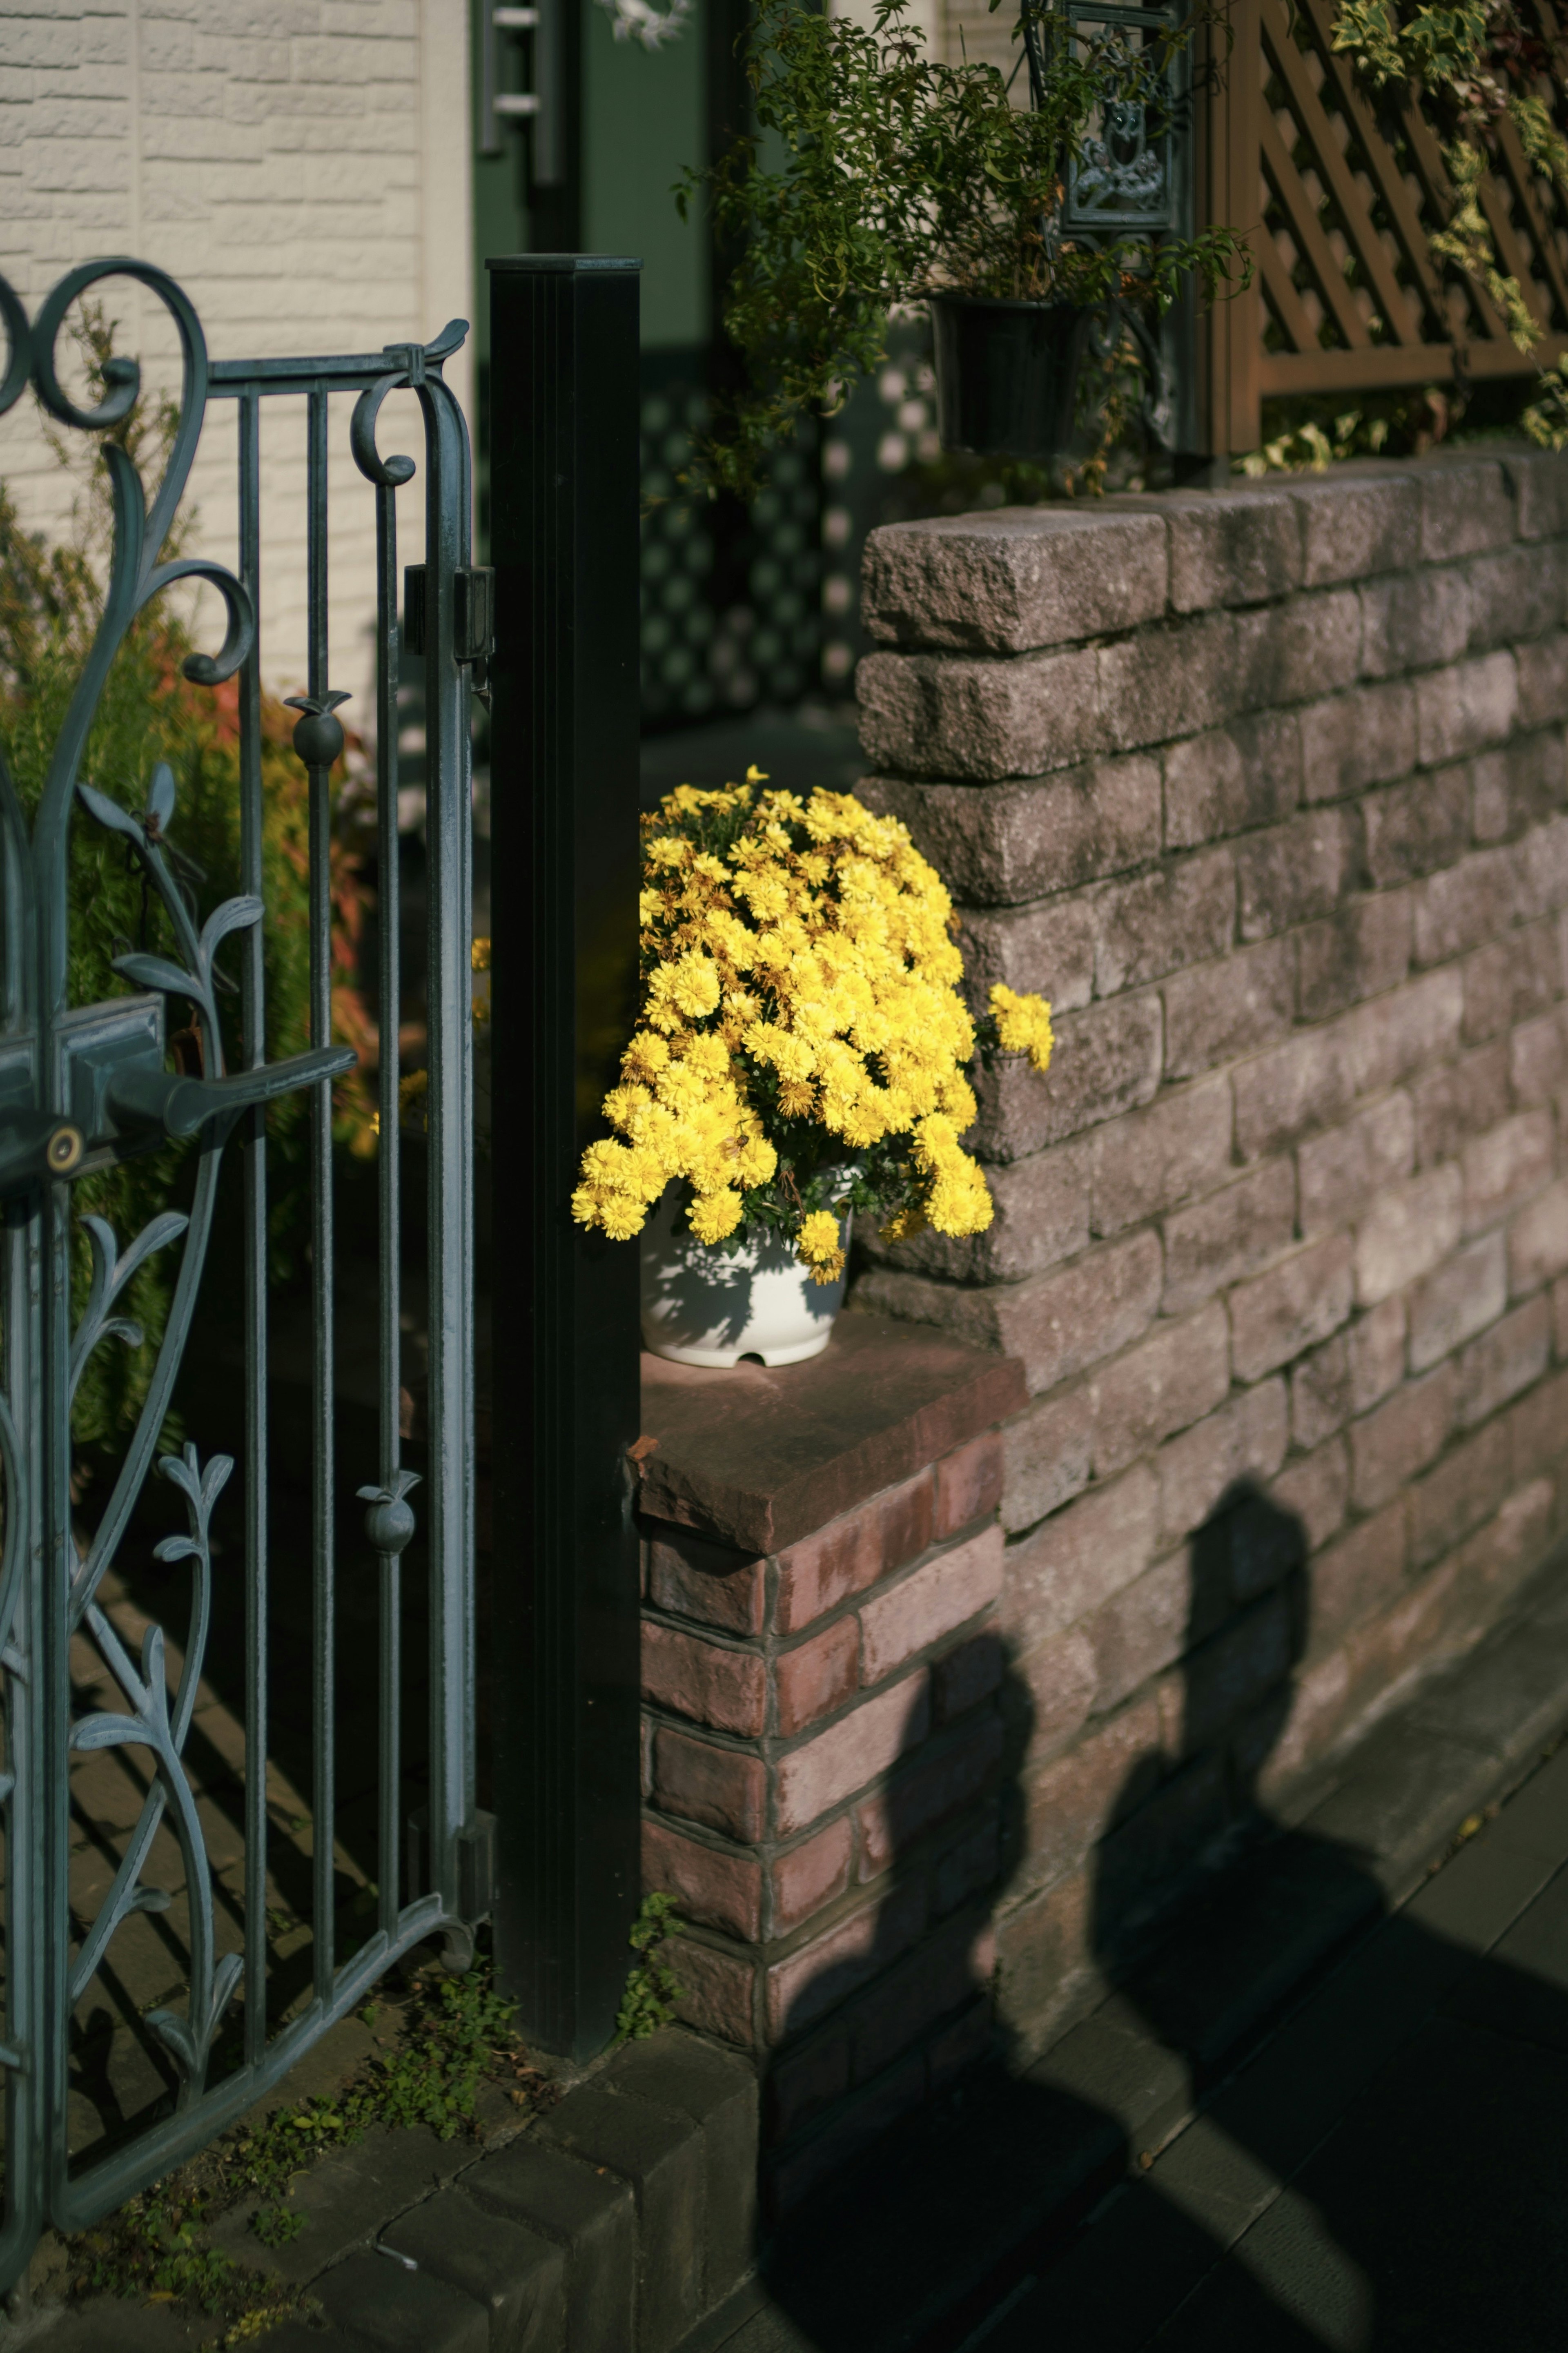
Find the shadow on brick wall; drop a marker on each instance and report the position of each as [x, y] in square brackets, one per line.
[1364, 2203]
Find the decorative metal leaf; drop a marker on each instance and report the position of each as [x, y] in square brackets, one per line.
[157, 972]
[160, 796]
[110, 814]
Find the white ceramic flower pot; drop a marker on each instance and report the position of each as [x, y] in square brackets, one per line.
[702, 1308]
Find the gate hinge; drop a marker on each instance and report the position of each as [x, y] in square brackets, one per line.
[473, 611]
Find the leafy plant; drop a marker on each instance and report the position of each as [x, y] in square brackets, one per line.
[1472, 67]
[877, 176]
[652, 1987]
[277, 2226]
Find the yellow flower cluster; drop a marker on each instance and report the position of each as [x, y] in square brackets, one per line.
[801, 972]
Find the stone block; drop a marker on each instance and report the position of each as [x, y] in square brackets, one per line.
[1467, 905]
[816, 1676]
[1180, 913]
[1222, 1010]
[721, 1890]
[1504, 1169]
[1179, 1373]
[941, 715]
[1048, 1451]
[1244, 1439]
[1157, 1847]
[1362, 949]
[1040, 1216]
[1055, 1324]
[997, 845]
[1465, 1489]
[1068, 1804]
[804, 1878]
[1536, 1426]
[1246, 774]
[380, 2303]
[833, 1765]
[1320, 1393]
[1459, 1101]
[931, 1985]
[1061, 1678]
[803, 2083]
[1460, 1298]
[1540, 483]
[1544, 680]
[1510, 979]
[1162, 684]
[1338, 1172]
[1232, 547]
[1232, 1672]
[718, 2092]
[1307, 1082]
[1150, 1161]
[1365, 736]
[1012, 581]
[1537, 1061]
[591, 2216]
[1105, 1061]
[1464, 707]
[1465, 506]
[1081, 1555]
[945, 1777]
[930, 1602]
[1295, 873]
[853, 1551]
[1143, 1630]
[726, 1689]
[1363, 1571]
[1537, 1241]
[1415, 827]
[1296, 651]
[718, 1992]
[1540, 867]
[1515, 594]
[1228, 1235]
[1357, 525]
[1398, 1439]
[725, 1789]
[1405, 1030]
[1047, 947]
[658, 2153]
[1504, 1361]
[1375, 1350]
[1315, 1492]
[1413, 620]
[693, 1578]
[969, 1483]
[1408, 1229]
[1297, 1303]
[860, 2121]
[1519, 785]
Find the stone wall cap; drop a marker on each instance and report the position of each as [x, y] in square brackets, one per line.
[759, 1458]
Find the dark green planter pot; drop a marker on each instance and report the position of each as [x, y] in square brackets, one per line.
[1006, 374]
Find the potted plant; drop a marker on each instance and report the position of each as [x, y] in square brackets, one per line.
[800, 1054]
[876, 176]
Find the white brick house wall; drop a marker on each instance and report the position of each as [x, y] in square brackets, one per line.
[302, 168]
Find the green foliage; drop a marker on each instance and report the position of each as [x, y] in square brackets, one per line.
[277, 2226]
[877, 176]
[652, 1987]
[1473, 66]
[1305, 436]
[1546, 418]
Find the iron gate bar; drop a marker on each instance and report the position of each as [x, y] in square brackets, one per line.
[102, 1067]
[564, 508]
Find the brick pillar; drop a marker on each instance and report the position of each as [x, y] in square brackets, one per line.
[823, 1714]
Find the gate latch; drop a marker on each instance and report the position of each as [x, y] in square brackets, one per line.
[473, 616]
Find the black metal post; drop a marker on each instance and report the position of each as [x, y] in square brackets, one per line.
[563, 484]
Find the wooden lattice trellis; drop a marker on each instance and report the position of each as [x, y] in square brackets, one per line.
[1339, 204]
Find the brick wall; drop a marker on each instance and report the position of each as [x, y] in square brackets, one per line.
[1264, 790]
[301, 168]
[825, 1730]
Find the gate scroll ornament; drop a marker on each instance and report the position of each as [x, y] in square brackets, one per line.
[83, 1085]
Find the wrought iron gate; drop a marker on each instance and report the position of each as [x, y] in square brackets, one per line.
[83, 1085]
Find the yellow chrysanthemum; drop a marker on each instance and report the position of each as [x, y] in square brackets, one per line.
[1024, 1024]
[716, 1214]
